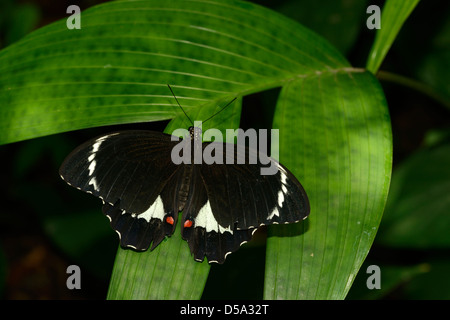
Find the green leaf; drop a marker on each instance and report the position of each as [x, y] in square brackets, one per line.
[333, 121]
[168, 272]
[116, 68]
[429, 66]
[418, 203]
[394, 15]
[334, 136]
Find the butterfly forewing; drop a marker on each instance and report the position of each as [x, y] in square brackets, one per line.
[129, 171]
[132, 166]
[245, 198]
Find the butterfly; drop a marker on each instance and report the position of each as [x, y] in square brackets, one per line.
[145, 192]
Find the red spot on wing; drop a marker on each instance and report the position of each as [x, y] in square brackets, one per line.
[170, 220]
[188, 224]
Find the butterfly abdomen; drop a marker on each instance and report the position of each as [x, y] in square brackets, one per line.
[184, 188]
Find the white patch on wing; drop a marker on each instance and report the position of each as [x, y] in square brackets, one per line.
[280, 198]
[205, 219]
[274, 212]
[91, 158]
[92, 167]
[97, 144]
[227, 229]
[156, 210]
[283, 176]
[99, 141]
[283, 190]
[93, 182]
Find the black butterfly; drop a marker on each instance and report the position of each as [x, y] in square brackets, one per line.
[143, 191]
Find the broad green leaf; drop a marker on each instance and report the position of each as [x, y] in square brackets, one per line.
[418, 203]
[394, 15]
[116, 68]
[335, 136]
[168, 272]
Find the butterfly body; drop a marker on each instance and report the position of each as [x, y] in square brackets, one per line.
[143, 191]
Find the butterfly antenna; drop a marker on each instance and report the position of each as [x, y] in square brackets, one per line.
[180, 104]
[220, 110]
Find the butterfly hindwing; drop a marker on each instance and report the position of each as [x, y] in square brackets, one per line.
[206, 236]
[135, 232]
[150, 227]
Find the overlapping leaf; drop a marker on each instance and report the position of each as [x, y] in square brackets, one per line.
[335, 135]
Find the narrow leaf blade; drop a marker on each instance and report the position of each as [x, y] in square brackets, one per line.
[394, 15]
